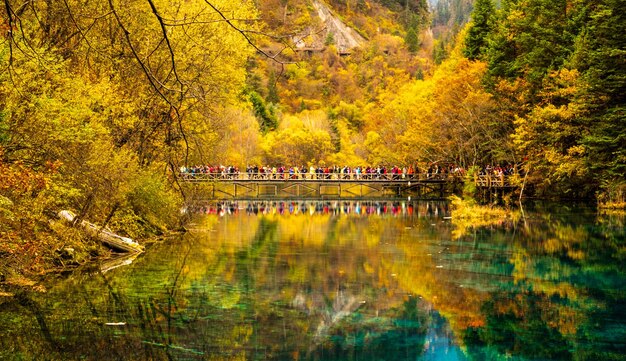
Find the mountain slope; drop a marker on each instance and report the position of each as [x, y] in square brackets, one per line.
[343, 36]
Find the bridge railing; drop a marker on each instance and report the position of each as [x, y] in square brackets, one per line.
[480, 180]
[245, 176]
[493, 180]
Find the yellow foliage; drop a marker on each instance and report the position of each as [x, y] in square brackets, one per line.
[447, 116]
[300, 140]
[467, 215]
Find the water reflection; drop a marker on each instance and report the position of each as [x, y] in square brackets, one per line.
[336, 207]
[337, 285]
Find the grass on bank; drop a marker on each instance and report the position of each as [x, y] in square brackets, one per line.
[612, 205]
[612, 197]
[467, 214]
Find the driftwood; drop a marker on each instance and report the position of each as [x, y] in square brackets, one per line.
[112, 240]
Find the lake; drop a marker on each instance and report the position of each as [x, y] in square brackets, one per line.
[342, 280]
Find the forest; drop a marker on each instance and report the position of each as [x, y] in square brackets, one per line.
[102, 102]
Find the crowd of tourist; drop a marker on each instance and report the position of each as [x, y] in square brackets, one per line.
[498, 170]
[430, 171]
[303, 172]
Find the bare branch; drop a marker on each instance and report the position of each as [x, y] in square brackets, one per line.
[175, 71]
[143, 66]
[83, 33]
[9, 12]
[168, 43]
[185, 22]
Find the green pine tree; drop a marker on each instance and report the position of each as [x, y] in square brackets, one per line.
[330, 39]
[532, 38]
[412, 41]
[439, 51]
[600, 57]
[265, 115]
[481, 26]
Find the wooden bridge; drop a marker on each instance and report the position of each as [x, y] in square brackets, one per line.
[334, 185]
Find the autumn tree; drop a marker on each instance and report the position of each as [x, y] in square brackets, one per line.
[549, 138]
[565, 89]
[114, 93]
[448, 117]
[300, 140]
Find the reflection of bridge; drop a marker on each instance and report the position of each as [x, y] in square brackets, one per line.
[378, 207]
[264, 185]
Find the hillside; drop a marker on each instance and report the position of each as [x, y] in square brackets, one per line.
[333, 30]
[455, 91]
[354, 20]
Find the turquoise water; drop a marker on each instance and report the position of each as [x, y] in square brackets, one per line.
[342, 281]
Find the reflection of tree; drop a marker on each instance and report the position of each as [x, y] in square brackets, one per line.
[526, 323]
[516, 325]
[567, 292]
[235, 294]
[29, 304]
[149, 312]
[398, 334]
[335, 287]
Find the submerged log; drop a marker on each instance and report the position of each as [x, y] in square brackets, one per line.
[111, 240]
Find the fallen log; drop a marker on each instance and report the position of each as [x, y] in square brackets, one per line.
[111, 240]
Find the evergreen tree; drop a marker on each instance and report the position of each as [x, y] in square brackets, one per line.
[412, 41]
[600, 56]
[264, 114]
[330, 39]
[439, 51]
[481, 25]
[531, 39]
